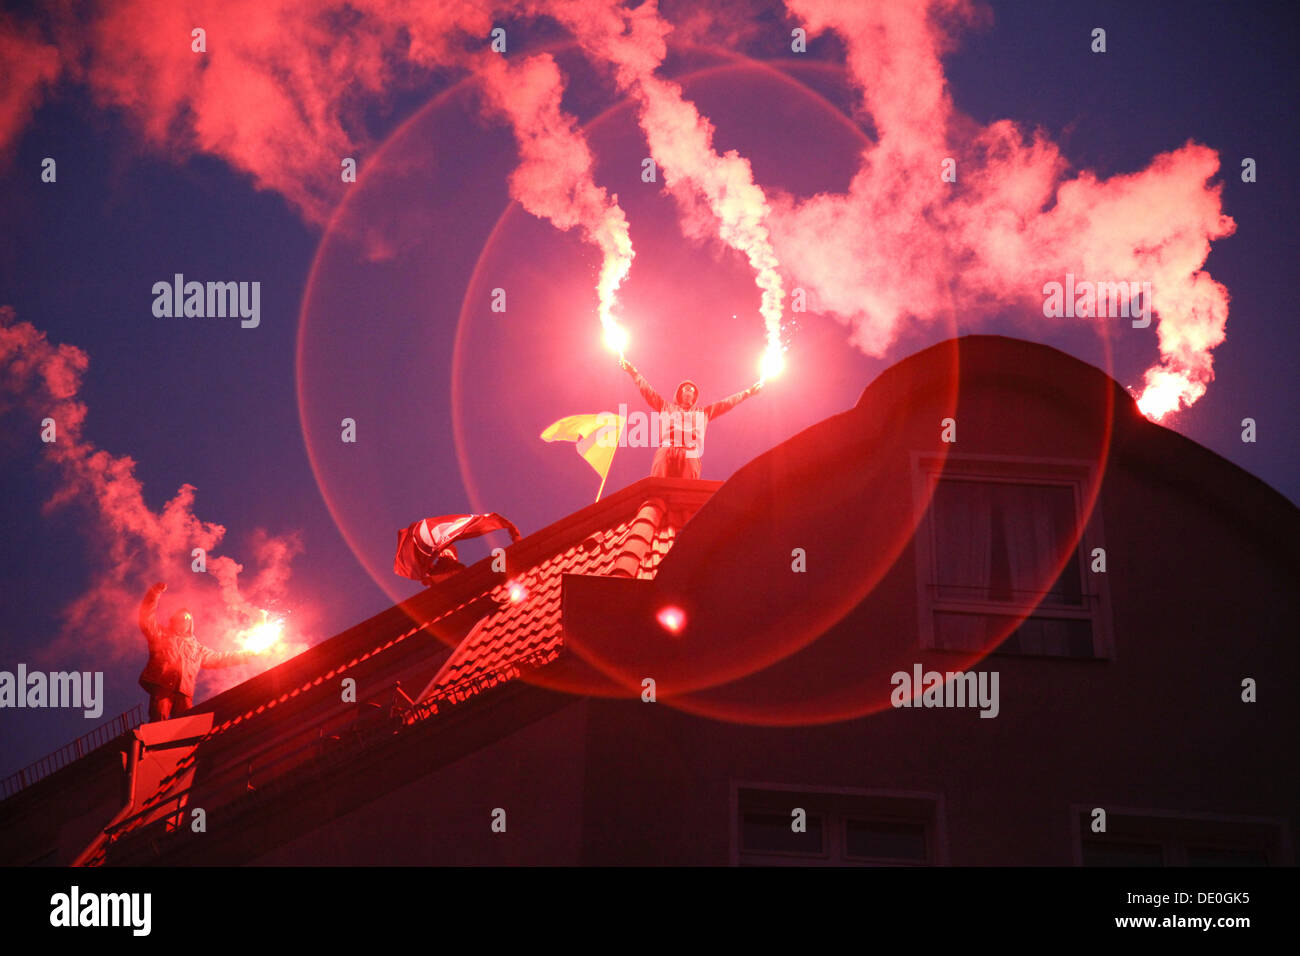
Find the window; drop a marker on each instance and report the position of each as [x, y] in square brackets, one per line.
[897, 841]
[1119, 853]
[1153, 838]
[841, 828]
[1002, 541]
[762, 831]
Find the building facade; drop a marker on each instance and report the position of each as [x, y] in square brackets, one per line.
[988, 615]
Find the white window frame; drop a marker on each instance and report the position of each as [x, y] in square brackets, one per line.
[929, 467]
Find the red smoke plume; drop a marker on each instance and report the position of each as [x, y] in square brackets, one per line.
[904, 245]
[680, 139]
[27, 67]
[554, 177]
[279, 92]
[281, 89]
[129, 543]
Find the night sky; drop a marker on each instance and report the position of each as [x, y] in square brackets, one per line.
[375, 296]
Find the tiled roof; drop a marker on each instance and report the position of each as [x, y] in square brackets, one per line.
[608, 537]
[517, 627]
[528, 626]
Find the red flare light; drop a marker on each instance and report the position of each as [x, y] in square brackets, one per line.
[672, 619]
[771, 364]
[262, 636]
[615, 338]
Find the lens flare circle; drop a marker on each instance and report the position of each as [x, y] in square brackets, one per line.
[850, 695]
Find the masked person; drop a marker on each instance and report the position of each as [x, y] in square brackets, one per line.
[175, 657]
[682, 423]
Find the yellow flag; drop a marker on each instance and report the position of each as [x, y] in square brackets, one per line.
[596, 435]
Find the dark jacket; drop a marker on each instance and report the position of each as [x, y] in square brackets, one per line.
[174, 660]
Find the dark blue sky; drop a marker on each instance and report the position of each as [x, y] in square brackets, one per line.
[205, 402]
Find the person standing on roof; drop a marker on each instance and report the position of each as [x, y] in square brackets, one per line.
[175, 657]
[682, 423]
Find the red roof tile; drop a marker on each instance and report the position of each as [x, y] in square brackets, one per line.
[531, 627]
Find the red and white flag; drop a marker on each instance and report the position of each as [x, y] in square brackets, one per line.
[426, 551]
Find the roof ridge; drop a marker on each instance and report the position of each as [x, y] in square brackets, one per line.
[638, 540]
[591, 541]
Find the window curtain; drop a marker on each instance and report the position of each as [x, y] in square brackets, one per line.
[1001, 541]
[963, 545]
[1035, 521]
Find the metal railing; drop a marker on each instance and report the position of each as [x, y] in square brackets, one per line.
[71, 752]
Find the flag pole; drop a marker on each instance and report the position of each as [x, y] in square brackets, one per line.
[601, 490]
[617, 438]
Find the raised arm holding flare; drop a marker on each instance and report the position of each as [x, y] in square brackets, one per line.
[175, 657]
[682, 423]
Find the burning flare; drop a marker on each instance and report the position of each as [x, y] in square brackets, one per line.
[262, 636]
[771, 364]
[615, 337]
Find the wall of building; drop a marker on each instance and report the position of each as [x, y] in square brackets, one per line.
[444, 818]
[1201, 596]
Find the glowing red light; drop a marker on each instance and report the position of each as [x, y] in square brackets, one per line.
[672, 619]
[517, 593]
